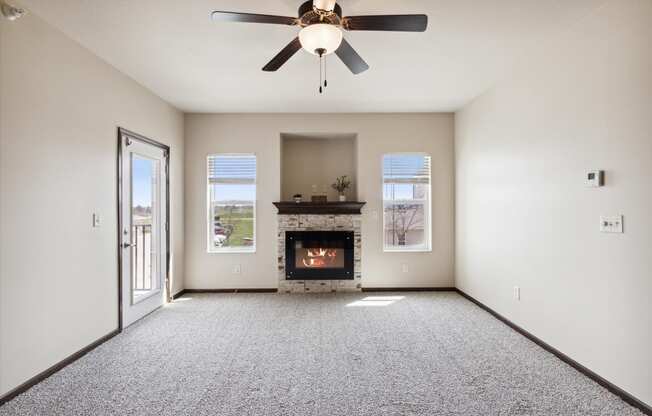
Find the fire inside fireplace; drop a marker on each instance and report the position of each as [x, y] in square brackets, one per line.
[326, 255]
[319, 258]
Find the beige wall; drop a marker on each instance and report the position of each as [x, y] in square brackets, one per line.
[317, 160]
[524, 216]
[60, 107]
[377, 134]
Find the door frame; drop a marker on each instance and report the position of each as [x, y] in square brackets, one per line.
[166, 149]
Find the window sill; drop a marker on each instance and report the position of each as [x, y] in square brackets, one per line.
[232, 251]
[407, 250]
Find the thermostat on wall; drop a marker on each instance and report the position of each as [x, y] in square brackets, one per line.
[595, 178]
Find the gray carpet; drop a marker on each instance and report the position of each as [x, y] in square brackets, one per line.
[268, 354]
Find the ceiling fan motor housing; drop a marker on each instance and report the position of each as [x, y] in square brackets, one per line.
[308, 16]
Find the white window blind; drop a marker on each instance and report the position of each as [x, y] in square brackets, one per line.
[406, 168]
[232, 169]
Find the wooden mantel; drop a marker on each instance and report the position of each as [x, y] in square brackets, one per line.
[320, 208]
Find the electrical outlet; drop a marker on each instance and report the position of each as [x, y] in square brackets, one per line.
[237, 269]
[96, 220]
[405, 268]
[517, 293]
[612, 225]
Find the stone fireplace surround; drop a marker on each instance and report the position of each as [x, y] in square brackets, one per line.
[320, 222]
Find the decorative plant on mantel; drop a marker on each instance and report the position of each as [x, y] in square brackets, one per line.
[341, 185]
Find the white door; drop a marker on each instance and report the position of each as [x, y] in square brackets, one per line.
[143, 227]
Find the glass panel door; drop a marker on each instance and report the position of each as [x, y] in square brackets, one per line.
[145, 172]
[143, 228]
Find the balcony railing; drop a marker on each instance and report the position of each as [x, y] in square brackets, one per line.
[141, 258]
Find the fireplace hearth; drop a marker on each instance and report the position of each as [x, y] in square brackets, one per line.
[319, 255]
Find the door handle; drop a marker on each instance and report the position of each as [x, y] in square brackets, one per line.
[127, 245]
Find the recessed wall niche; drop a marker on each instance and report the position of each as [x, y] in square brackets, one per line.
[311, 162]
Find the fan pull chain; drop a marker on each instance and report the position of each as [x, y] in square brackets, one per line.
[321, 58]
[322, 76]
[325, 74]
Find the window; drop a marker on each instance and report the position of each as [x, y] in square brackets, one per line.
[231, 203]
[406, 202]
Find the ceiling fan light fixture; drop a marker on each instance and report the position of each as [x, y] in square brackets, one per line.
[320, 36]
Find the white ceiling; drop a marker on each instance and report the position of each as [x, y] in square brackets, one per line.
[175, 50]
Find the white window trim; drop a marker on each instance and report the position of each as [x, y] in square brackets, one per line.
[428, 220]
[229, 250]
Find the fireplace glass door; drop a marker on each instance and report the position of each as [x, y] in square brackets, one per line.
[320, 255]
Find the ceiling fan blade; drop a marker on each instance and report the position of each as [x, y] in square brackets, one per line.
[350, 57]
[283, 56]
[392, 23]
[220, 16]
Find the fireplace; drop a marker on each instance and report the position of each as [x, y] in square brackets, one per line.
[319, 255]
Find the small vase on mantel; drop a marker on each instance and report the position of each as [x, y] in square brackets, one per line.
[342, 198]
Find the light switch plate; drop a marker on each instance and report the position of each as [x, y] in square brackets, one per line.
[237, 269]
[612, 225]
[595, 178]
[96, 220]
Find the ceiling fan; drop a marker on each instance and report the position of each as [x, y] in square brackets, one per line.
[321, 24]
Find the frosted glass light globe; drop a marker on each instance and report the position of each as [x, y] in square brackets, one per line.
[320, 36]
